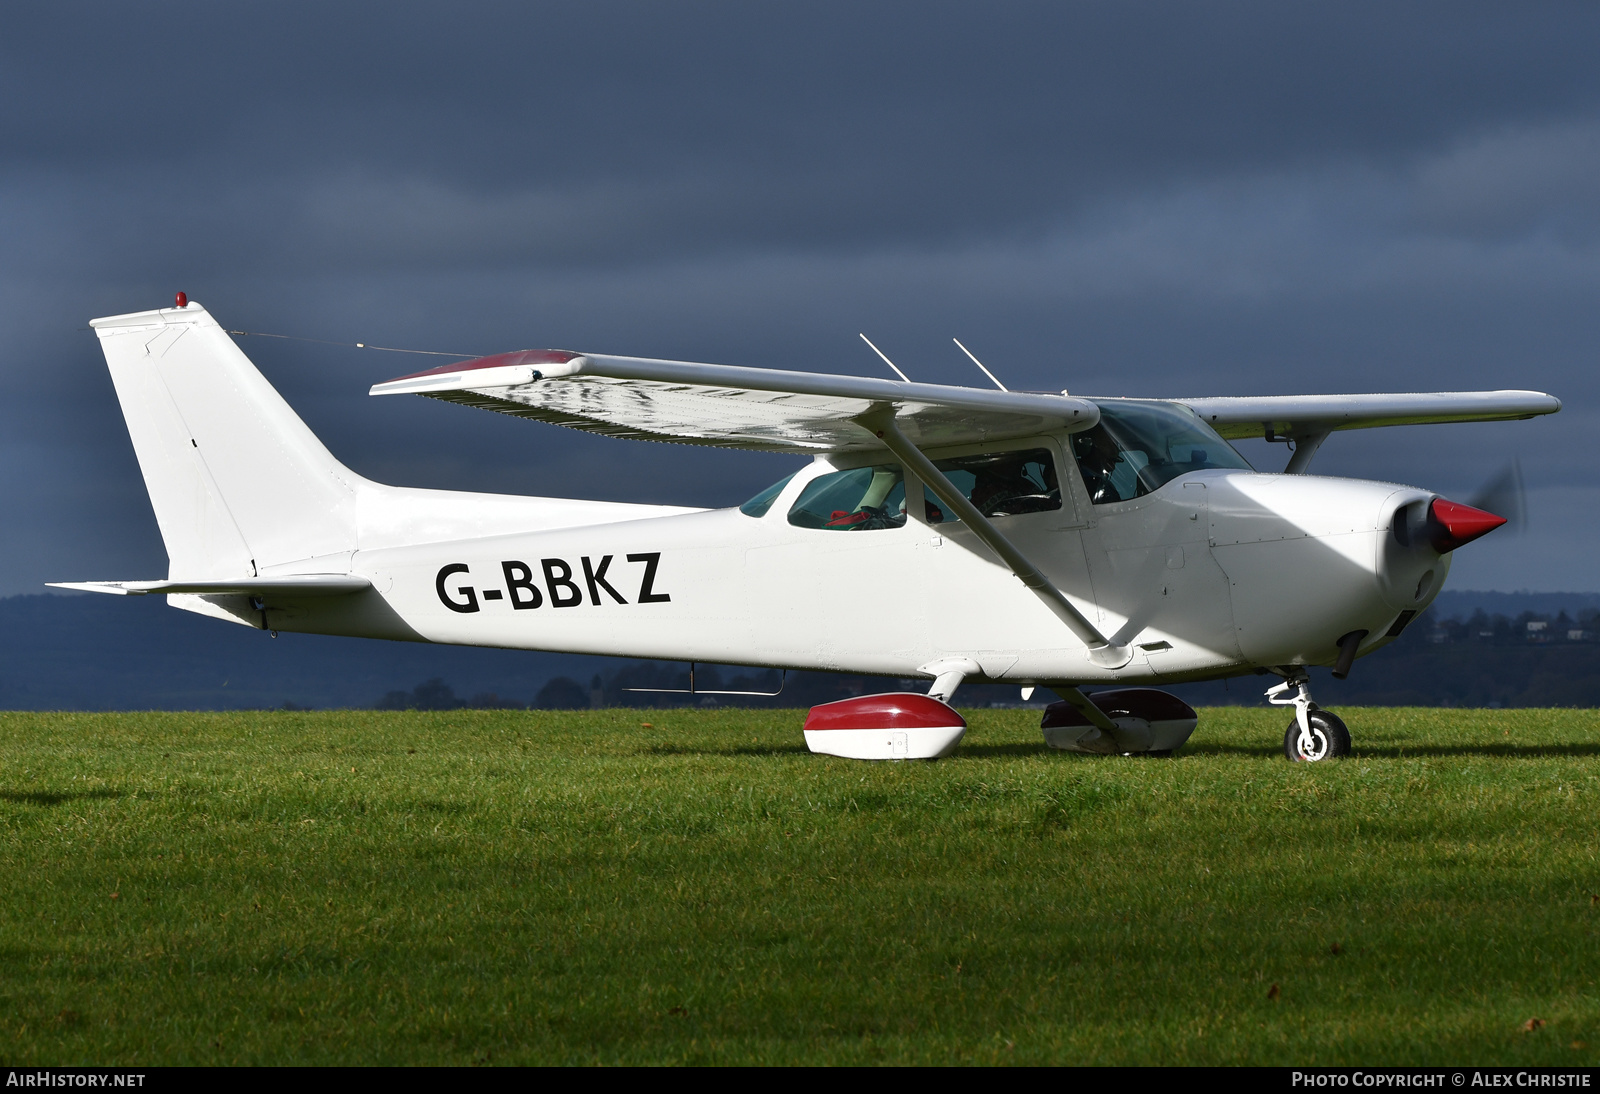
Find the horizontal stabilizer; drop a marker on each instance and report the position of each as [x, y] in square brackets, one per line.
[302, 585]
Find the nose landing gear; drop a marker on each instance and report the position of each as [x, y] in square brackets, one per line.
[1315, 734]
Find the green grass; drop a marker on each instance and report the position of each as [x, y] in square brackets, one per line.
[501, 887]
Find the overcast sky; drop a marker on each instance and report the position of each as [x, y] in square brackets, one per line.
[1114, 198]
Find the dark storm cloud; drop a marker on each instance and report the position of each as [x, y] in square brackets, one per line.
[1126, 198]
[585, 132]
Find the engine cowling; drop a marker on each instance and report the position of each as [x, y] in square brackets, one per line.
[894, 726]
[1147, 720]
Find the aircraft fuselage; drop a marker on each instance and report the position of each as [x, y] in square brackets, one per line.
[1214, 573]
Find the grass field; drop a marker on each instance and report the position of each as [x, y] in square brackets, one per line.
[508, 887]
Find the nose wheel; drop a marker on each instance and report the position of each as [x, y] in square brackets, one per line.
[1328, 738]
[1315, 734]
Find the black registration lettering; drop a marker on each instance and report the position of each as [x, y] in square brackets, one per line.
[647, 593]
[596, 579]
[469, 601]
[558, 579]
[519, 583]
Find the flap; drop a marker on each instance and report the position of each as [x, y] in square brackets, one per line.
[729, 406]
[1290, 415]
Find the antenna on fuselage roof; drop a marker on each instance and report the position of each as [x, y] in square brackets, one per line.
[980, 364]
[886, 360]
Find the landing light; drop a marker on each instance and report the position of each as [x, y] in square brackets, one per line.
[1452, 525]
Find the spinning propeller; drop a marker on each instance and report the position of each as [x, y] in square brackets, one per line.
[1505, 495]
[1500, 502]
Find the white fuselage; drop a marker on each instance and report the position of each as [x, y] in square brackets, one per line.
[1215, 573]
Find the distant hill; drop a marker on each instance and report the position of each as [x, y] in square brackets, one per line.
[97, 652]
[92, 652]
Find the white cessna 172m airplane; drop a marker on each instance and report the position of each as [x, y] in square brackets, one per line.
[948, 533]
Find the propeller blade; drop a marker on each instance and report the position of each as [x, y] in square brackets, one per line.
[1505, 495]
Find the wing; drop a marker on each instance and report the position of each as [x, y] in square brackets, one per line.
[1292, 415]
[732, 407]
[775, 411]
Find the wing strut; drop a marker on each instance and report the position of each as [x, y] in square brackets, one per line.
[880, 420]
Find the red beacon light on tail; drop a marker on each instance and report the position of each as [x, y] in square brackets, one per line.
[1452, 525]
[182, 300]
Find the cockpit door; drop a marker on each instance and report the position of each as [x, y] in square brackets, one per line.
[1156, 585]
[977, 607]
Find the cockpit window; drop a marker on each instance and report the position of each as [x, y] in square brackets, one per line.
[758, 505]
[1000, 484]
[859, 500]
[1140, 446]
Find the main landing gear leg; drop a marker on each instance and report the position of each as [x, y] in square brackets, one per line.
[1315, 734]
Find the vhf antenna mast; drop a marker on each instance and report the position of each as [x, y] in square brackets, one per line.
[979, 363]
[886, 360]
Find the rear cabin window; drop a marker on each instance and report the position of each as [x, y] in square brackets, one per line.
[1141, 446]
[758, 505]
[859, 500]
[1000, 484]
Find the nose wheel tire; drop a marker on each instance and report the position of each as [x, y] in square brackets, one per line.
[1329, 739]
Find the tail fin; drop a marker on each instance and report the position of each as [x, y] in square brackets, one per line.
[237, 480]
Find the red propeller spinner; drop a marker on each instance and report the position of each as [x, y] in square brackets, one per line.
[1452, 525]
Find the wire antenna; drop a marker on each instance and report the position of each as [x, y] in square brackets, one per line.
[979, 363]
[886, 360]
[349, 345]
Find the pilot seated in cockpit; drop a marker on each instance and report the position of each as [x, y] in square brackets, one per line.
[1005, 487]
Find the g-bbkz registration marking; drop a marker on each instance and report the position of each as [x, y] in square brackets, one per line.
[559, 585]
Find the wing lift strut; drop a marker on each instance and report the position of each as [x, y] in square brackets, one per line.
[1304, 443]
[881, 421]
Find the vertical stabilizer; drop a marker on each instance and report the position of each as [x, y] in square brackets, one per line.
[237, 480]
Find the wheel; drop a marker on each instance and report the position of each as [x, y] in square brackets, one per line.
[1330, 737]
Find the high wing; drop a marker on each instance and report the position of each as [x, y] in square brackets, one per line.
[733, 407]
[1302, 415]
[771, 410]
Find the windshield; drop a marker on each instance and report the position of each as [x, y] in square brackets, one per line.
[1140, 446]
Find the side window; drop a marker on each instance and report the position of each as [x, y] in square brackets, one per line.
[1110, 473]
[1000, 484]
[758, 505]
[858, 500]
